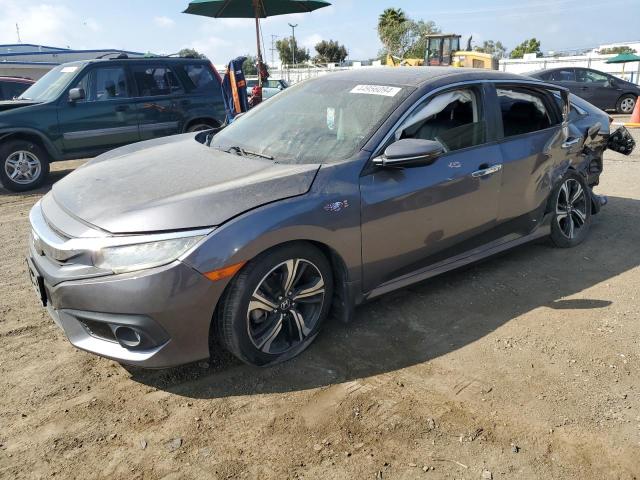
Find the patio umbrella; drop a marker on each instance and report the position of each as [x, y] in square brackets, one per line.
[252, 9]
[624, 58]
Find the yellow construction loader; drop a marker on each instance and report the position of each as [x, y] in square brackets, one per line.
[443, 49]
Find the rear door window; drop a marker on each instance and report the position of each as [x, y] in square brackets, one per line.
[158, 80]
[524, 111]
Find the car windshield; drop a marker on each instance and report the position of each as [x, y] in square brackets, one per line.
[52, 84]
[317, 121]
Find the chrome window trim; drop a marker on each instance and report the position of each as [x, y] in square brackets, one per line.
[535, 83]
[46, 240]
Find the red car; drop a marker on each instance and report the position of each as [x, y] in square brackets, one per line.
[11, 87]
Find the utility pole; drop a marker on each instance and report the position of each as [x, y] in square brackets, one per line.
[293, 44]
[18, 32]
[273, 37]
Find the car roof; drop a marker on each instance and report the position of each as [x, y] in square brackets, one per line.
[419, 76]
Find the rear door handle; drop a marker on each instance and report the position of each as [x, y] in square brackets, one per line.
[571, 142]
[484, 172]
[122, 108]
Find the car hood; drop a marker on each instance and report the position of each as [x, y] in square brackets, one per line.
[172, 184]
[11, 104]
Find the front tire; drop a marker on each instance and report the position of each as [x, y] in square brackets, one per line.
[24, 165]
[571, 207]
[274, 308]
[626, 104]
[200, 127]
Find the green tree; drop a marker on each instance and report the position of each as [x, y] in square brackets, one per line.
[528, 46]
[330, 52]
[402, 36]
[191, 53]
[286, 48]
[616, 50]
[493, 48]
[389, 30]
[249, 67]
[417, 37]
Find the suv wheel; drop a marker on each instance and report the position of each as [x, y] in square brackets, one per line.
[626, 104]
[273, 309]
[24, 165]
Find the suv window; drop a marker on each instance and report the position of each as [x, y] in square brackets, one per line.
[201, 79]
[104, 83]
[590, 76]
[564, 75]
[523, 111]
[453, 118]
[155, 81]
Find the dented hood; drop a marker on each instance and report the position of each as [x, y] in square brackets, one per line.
[175, 183]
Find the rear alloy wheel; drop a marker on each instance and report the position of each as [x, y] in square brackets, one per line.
[572, 216]
[24, 165]
[274, 308]
[626, 104]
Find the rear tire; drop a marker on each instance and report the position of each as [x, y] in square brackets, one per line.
[571, 210]
[274, 308]
[24, 165]
[626, 104]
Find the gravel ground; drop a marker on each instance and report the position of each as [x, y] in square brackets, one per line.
[524, 366]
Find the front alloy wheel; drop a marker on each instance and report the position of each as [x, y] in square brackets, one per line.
[285, 306]
[274, 307]
[572, 216]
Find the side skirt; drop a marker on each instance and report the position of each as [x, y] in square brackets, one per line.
[460, 260]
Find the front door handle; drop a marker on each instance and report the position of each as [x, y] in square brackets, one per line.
[484, 172]
[122, 108]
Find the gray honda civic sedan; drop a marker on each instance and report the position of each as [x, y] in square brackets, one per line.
[337, 190]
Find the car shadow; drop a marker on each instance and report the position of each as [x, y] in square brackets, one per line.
[432, 318]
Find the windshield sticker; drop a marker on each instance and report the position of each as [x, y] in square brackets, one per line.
[376, 90]
[69, 69]
[331, 118]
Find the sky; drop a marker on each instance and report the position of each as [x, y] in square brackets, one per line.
[158, 26]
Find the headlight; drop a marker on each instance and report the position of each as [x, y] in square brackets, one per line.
[127, 258]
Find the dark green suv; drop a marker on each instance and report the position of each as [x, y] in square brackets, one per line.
[82, 109]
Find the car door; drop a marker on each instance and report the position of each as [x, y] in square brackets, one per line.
[104, 119]
[415, 217]
[532, 148]
[596, 88]
[160, 100]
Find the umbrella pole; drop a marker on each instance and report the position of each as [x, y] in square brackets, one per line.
[256, 7]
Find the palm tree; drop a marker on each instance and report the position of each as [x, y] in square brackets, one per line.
[391, 16]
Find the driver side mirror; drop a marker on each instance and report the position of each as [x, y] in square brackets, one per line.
[76, 94]
[410, 152]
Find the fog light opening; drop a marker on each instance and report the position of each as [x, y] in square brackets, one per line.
[127, 337]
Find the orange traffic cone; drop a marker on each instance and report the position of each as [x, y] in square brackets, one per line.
[635, 116]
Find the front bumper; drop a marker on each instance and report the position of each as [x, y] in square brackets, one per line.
[169, 307]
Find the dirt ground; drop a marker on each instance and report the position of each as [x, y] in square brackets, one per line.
[524, 366]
